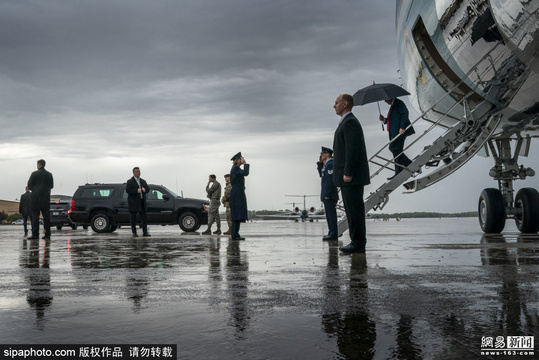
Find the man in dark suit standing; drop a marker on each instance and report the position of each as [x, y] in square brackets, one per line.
[397, 121]
[40, 183]
[137, 189]
[351, 171]
[25, 209]
[329, 195]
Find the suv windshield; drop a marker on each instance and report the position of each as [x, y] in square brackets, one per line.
[170, 191]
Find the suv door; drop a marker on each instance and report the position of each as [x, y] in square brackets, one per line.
[122, 208]
[160, 206]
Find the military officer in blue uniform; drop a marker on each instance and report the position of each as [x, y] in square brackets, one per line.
[238, 200]
[329, 194]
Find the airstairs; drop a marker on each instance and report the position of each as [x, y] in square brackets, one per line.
[458, 144]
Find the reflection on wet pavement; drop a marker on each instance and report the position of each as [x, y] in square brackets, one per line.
[426, 289]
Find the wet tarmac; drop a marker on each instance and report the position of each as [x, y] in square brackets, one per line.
[426, 289]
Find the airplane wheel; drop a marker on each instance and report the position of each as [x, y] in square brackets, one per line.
[527, 200]
[491, 211]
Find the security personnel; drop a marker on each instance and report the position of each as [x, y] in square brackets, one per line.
[25, 209]
[226, 202]
[40, 183]
[137, 188]
[329, 195]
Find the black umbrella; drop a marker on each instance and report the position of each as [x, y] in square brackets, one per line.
[378, 92]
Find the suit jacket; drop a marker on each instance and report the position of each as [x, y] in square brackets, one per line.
[41, 183]
[136, 201]
[398, 119]
[25, 205]
[329, 190]
[350, 153]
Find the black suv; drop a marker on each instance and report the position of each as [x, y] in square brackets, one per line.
[60, 206]
[104, 207]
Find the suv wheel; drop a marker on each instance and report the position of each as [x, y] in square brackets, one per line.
[73, 226]
[188, 222]
[58, 227]
[100, 223]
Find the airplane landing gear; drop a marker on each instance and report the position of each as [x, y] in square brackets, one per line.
[491, 211]
[527, 204]
[496, 205]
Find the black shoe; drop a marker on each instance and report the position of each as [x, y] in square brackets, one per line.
[352, 248]
[238, 238]
[207, 232]
[327, 238]
[217, 232]
[33, 237]
[46, 237]
[389, 178]
[134, 235]
[146, 235]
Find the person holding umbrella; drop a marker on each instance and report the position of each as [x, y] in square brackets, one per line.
[398, 124]
[397, 118]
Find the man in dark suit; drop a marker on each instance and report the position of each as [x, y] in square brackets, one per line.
[351, 171]
[329, 195]
[137, 189]
[40, 183]
[397, 121]
[25, 209]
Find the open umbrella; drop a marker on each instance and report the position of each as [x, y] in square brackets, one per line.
[378, 92]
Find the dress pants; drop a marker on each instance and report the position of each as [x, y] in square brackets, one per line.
[143, 221]
[46, 222]
[331, 216]
[25, 222]
[352, 196]
[396, 148]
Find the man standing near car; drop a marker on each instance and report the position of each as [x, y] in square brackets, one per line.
[25, 209]
[137, 189]
[40, 183]
[213, 189]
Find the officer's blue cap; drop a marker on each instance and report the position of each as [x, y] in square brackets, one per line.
[326, 150]
[237, 156]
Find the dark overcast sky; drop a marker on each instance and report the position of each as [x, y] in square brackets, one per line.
[177, 87]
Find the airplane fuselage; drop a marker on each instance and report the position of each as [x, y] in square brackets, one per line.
[463, 47]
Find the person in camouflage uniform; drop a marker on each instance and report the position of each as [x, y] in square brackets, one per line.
[214, 194]
[226, 203]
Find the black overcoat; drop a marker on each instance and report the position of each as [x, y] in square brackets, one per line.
[238, 200]
[136, 201]
[41, 183]
[350, 153]
[25, 205]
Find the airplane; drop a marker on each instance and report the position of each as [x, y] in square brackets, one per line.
[297, 214]
[471, 67]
